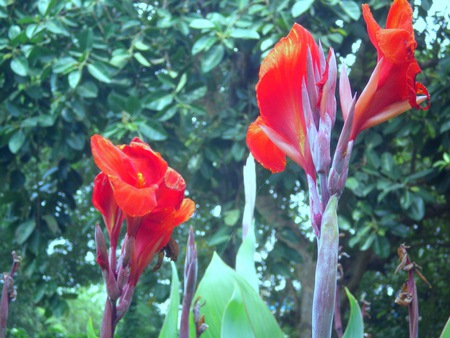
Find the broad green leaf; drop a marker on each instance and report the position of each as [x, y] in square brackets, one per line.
[417, 208]
[201, 23]
[181, 83]
[141, 59]
[301, 7]
[88, 89]
[231, 217]
[169, 328]
[13, 31]
[241, 33]
[212, 58]
[351, 8]
[99, 71]
[52, 224]
[16, 141]
[152, 130]
[204, 43]
[19, 65]
[74, 78]
[119, 57]
[381, 246]
[216, 290]
[64, 65]
[24, 231]
[355, 326]
[90, 332]
[44, 6]
[235, 321]
[446, 332]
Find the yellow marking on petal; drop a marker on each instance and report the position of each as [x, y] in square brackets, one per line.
[121, 147]
[140, 180]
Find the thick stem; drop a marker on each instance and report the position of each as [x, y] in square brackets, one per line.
[109, 317]
[326, 273]
[325, 193]
[413, 307]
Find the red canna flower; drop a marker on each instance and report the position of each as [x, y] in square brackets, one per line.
[392, 88]
[281, 128]
[154, 234]
[140, 179]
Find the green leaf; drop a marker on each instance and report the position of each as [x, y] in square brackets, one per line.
[204, 43]
[52, 224]
[16, 141]
[74, 78]
[88, 89]
[169, 328]
[181, 83]
[231, 217]
[90, 332]
[19, 65]
[141, 59]
[301, 7]
[381, 246]
[201, 23]
[417, 208]
[217, 289]
[152, 130]
[446, 332]
[99, 71]
[351, 8]
[212, 58]
[64, 65]
[241, 33]
[355, 326]
[24, 231]
[235, 321]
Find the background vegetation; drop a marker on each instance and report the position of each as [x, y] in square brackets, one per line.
[181, 75]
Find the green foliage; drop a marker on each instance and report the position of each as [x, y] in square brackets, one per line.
[355, 326]
[169, 328]
[237, 303]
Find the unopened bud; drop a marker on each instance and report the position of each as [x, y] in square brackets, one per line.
[102, 251]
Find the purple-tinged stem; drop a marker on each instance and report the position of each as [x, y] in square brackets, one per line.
[108, 323]
[337, 313]
[413, 307]
[190, 280]
[8, 293]
[326, 273]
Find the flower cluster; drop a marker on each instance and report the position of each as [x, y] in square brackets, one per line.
[136, 185]
[297, 103]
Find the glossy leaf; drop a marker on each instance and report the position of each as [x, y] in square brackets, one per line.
[355, 326]
[301, 7]
[212, 58]
[169, 328]
[235, 321]
[216, 290]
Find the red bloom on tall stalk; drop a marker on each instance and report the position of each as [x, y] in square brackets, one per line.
[136, 181]
[281, 128]
[140, 179]
[392, 88]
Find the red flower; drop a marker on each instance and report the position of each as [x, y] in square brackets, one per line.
[392, 88]
[141, 180]
[281, 129]
[154, 234]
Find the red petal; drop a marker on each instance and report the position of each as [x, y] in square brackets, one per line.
[400, 16]
[263, 149]
[134, 201]
[111, 160]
